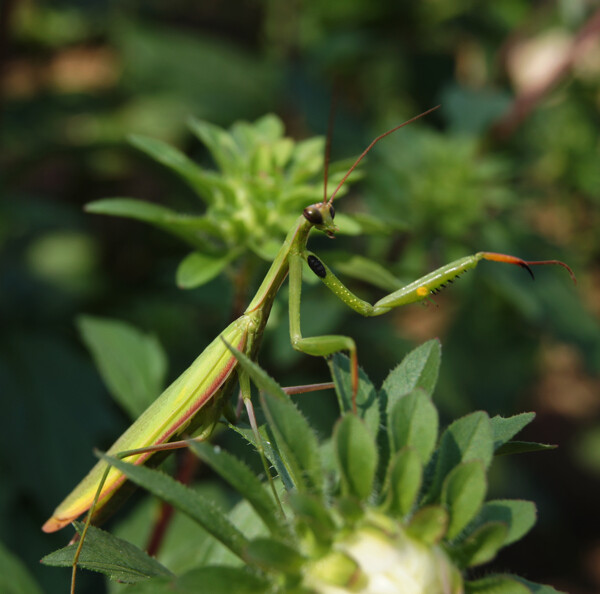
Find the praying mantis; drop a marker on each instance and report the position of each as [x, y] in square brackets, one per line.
[194, 402]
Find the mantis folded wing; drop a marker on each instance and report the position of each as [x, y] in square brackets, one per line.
[174, 412]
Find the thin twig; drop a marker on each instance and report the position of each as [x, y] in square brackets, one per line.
[525, 103]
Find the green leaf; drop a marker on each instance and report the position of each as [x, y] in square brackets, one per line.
[413, 422]
[187, 227]
[14, 576]
[203, 511]
[216, 580]
[505, 428]
[244, 481]
[403, 481]
[313, 513]
[272, 456]
[266, 129]
[367, 403]
[107, 554]
[350, 509]
[133, 209]
[220, 144]
[132, 364]
[356, 456]
[346, 225]
[373, 225]
[429, 524]
[259, 376]
[419, 369]
[537, 588]
[296, 442]
[203, 182]
[518, 515]
[496, 584]
[197, 269]
[523, 447]
[481, 546]
[307, 160]
[468, 438]
[265, 247]
[273, 555]
[463, 493]
[270, 127]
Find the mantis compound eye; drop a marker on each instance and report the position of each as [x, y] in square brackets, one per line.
[332, 212]
[313, 215]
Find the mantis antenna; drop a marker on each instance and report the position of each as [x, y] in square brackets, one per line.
[364, 153]
[328, 144]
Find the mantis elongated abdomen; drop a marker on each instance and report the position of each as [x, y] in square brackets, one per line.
[166, 418]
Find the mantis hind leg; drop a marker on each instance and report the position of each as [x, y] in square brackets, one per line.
[203, 435]
[246, 396]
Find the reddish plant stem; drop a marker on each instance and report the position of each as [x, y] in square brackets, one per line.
[187, 469]
[525, 103]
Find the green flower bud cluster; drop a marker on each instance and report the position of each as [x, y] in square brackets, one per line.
[262, 183]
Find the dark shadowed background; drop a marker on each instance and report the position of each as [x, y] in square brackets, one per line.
[511, 162]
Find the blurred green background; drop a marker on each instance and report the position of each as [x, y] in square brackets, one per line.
[510, 163]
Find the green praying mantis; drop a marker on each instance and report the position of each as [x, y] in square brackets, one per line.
[194, 402]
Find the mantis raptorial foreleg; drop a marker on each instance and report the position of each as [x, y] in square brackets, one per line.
[418, 290]
[316, 345]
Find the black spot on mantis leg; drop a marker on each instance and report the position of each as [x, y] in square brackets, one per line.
[316, 266]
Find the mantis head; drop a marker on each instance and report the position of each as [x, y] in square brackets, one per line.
[321, 215]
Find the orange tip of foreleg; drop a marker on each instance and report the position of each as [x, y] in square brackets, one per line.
[493, 256]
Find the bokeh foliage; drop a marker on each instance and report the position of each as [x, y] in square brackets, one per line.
[79, 77]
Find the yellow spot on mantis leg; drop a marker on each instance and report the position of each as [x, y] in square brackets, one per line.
[422, 291]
